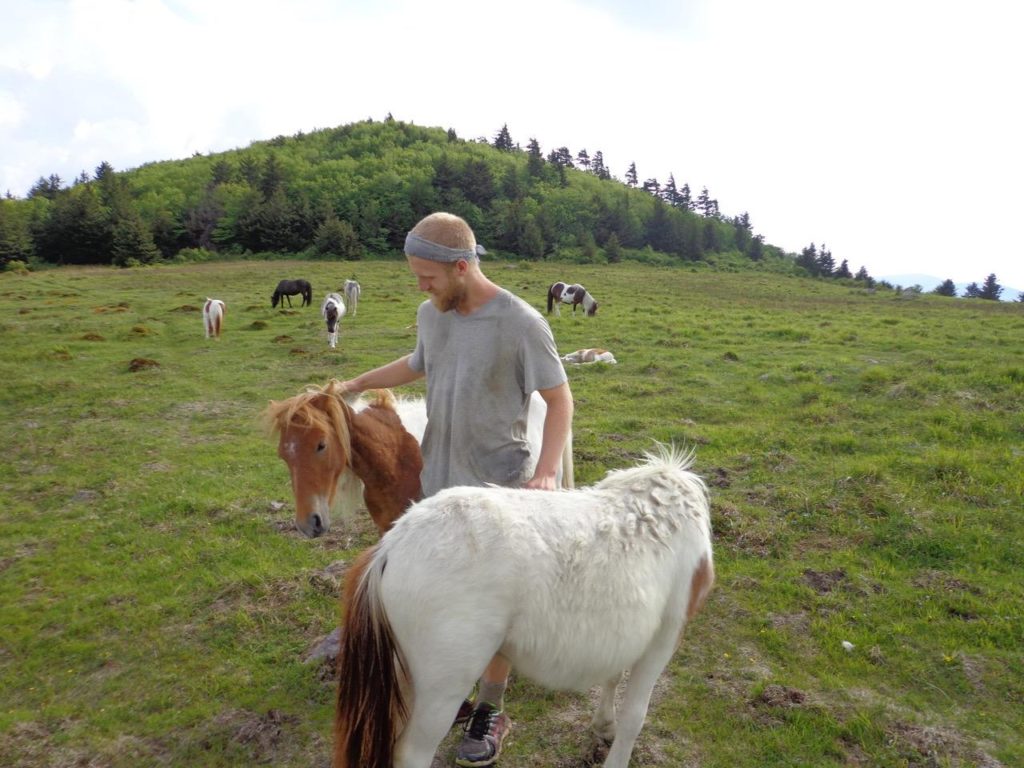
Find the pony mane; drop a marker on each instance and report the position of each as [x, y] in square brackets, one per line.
[662, 460]
[317, 408]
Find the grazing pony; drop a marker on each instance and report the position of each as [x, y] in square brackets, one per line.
[288, 288]
[563, 293]
[589, 355]
[213, 317]
[579, 587]
[352, 291]
[322, 436]
[314, 430]
[333, 309]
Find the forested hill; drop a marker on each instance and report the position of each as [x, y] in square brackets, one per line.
[354, 192]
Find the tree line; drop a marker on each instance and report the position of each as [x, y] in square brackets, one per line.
[354, 191]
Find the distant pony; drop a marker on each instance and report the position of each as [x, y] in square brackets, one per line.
[352, 291]
[590, 355]
[288, 288]
[213, 317]
[333, 309]
[563, 293]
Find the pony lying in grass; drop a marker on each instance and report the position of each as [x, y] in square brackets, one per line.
[213, 317]
[590, 355]
[579, 586]
[333, 309]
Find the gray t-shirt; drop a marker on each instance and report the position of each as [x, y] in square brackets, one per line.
[481, 370]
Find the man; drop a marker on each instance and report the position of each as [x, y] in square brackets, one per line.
[483, 352]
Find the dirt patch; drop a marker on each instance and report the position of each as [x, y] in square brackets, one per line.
[141, 364]
[186, 308]
[283, 339]
[297, 351]
[92, 337]
[928, 746]
[328, 580]
[258, 325]
[824, 582]
[939, 581]
[780, 696]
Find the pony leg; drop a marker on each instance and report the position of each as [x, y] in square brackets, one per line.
[431, 718]
[637, 698]
[603, 724]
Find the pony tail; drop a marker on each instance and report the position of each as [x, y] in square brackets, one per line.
[550, 297]
[370, 673]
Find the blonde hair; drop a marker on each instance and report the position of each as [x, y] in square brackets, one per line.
[446, 229]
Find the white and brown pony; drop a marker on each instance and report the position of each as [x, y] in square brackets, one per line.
[213, 317]
[333, 309]
[322, 438]
[314, 430]
[352, 291]
[574, 588]
[589, 355]
[575, 294]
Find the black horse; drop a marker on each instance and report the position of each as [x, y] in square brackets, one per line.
[289, 288]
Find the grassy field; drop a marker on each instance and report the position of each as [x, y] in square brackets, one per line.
[865, 455]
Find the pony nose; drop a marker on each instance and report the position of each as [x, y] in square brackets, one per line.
[318, 525]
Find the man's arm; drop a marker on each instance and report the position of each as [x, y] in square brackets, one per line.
[393, 374]
[557, 424]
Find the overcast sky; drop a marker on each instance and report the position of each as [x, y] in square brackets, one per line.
[889, 130]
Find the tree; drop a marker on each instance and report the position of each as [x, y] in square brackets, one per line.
[47, 188]
[808, 259]
[534, 159]
[669, 193]
[335, 237]
[631, 179]
[1020, 297]
[597, 166]
[583, 159]
[561, 157]
[503, 140]
[652, 187]
[990, 289]
[843, 270]
[945, 288]
[826, 264]
[684, 200]
[972, 291]
[613, 249]
[703, 201]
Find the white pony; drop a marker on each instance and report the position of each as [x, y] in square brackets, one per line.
[412, 411]
[572, 587]
[213, 317]
[333, 309]
[589, 355]
[352, 291]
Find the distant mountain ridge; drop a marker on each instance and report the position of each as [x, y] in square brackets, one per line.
[929, 282]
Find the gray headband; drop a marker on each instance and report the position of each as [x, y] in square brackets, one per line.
[422, 248]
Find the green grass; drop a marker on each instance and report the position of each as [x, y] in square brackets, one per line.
[864, 452]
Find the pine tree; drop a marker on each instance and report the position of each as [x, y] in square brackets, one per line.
[534, 159]
[651, 186]
[703, 202]
[826, 264]
[945, 288]
[503, 140]
[583, 159]
[669, 193]
[631, 179]
[844, 270]
[597, 166]
[972, 291]
[990, 289]
[685, 201]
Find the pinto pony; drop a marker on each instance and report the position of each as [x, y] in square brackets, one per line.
[213, 317]
[333, 309]
[322, 436]
[563, 293]
[352, 292]
[288, 288]
[328, 464]
[579, 587]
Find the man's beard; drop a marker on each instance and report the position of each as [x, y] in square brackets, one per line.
[449, 300]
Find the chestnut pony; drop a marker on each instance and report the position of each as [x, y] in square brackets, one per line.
[317, 427]
[572, 587]
[322, 436]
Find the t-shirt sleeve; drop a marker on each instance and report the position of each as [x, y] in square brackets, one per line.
[417, 360]
[542, 368]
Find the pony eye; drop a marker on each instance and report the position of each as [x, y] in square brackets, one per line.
[321, 447]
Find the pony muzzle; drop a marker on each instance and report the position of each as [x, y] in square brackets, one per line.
[316, 520]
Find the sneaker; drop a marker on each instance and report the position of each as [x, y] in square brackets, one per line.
[465, 712]
[485, 732]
